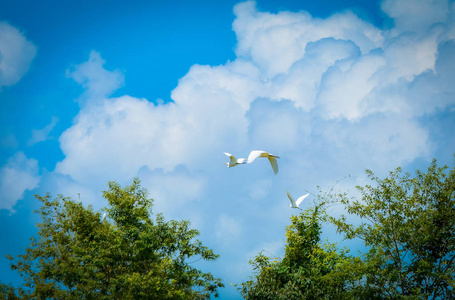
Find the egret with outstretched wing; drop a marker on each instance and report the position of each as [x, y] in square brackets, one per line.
[259, 153]
[295, 204]
[234, 161]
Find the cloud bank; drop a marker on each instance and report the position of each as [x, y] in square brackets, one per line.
[297, 82]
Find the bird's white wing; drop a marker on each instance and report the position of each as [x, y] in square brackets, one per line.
[231, 157]
[290, 198]
[274, 164]
[255, 154]
[300, 199]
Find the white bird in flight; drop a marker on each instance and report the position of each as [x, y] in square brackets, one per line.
[295, 204]
[104, 217]
[259, 153]
[234, 161]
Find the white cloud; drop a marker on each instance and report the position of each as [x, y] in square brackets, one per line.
[348, 101]
[275, 41]
[40, 135]
[217, 108]
[18, 175]
[16, 54]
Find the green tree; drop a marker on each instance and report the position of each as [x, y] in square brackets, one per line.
[80, 255]
[308, 269]
[408, 225]
[8, 292]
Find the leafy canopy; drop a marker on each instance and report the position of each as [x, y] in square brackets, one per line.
[407, 225]
[308, 269]
[128, 255]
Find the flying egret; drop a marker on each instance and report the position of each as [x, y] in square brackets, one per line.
[295, 204]
[259, 153]
[104, 217]
[234, 161]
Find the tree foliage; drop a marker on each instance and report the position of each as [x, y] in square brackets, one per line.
[308, 269]
[129, 255]
[408, 224]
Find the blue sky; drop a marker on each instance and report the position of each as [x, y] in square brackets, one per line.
[91, 92]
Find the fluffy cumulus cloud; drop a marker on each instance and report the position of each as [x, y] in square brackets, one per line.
[330, 96]
[16, 54]
[274, 42]
[18, 175]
